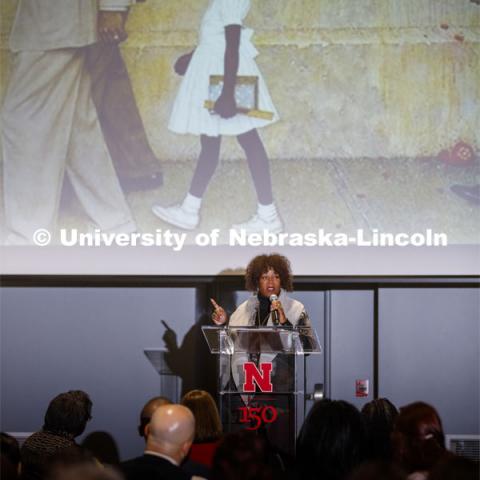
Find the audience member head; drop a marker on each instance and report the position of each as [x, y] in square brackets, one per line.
[70, 457]
[147, 412]
[68, 414]
[208, 426]
[10, 456]
[330, 443]
[65, 418]
[85, 472]
[418, 438]
[171, 431]
[379, 416]
[453, 467]
[77, 464]
[102, 446]
[262, 264]
[242, 455]
[379, 470]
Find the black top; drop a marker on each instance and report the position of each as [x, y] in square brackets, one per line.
[263, 310]
[151, 467]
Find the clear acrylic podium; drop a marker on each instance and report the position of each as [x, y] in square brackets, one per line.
[170, 383]
[259, 382]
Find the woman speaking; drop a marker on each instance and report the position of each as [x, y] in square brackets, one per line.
[269, 277]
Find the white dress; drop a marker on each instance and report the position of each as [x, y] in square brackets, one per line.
[189, 114]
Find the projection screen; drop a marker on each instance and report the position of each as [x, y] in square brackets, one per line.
[351, 143]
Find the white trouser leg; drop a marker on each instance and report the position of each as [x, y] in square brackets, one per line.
[90, 167]
[47, 114]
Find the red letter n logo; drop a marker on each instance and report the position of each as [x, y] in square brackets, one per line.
[262, 379]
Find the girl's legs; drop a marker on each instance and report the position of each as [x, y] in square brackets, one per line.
[267, 217]
[206, 165]
[186, 214]
[258, 164]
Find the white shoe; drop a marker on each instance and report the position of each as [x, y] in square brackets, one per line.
[258, 224]
[177, 215]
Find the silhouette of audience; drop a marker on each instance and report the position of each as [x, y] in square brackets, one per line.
[65, 419]
[418, 440]
[455, 468]
[379, 416]
[378, 470]
[85, 472]
[10, 457]
[185, 442]
[242, 455]
[331, 441]
[102, 446]
[77, 464]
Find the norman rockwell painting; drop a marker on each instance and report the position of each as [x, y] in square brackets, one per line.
[361, 122]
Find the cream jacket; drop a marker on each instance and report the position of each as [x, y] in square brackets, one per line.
[246, 313]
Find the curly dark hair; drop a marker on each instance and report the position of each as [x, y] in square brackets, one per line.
[68, 413]
[262, 264]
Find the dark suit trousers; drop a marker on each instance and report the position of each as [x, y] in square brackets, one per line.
[118, 113]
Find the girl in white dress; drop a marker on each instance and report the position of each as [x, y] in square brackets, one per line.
[224, 49]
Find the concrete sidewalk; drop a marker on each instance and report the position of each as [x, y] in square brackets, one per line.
[400, 195]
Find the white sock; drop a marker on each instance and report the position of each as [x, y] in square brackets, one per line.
[267, 212]
[192, 203]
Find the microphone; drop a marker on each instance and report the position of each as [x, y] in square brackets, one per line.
[275, 318]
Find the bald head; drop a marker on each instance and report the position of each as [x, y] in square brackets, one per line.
[171, 431]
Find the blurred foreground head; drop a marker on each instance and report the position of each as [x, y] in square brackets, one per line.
[242, 455]
[83, 471]
[379, 416]
[10, 457]
[455, 468]
[418, 439]
[331, 440]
